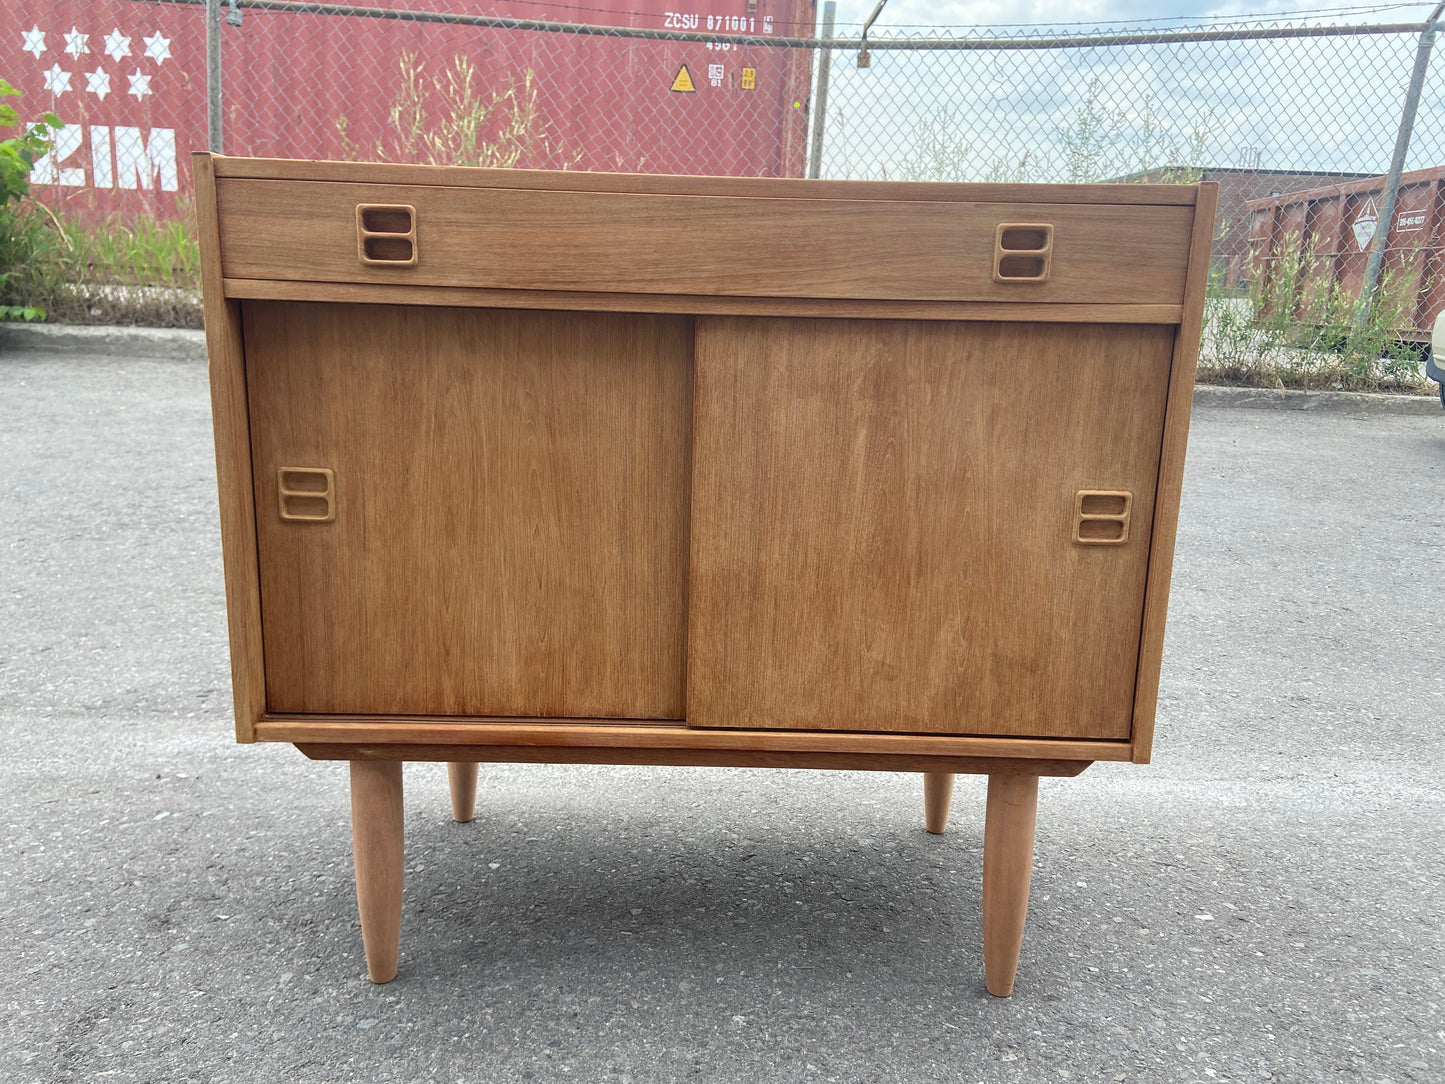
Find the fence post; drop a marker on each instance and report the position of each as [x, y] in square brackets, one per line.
[213, 76]
[1371, 283]
[820, 98]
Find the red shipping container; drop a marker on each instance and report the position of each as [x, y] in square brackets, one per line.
[129, 80]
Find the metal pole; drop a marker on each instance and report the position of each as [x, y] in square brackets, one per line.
[1397, 167]
[864, 58]
[213, 76]
[820, 98]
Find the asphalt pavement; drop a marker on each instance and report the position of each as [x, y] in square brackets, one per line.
[1262, 903]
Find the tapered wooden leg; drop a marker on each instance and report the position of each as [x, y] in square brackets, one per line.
[937, 794]
[376, 840]
[1008, 858]
[462, 778]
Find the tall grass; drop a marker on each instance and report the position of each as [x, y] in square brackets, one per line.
[452, 119]
[126, 269]
[1296, 328]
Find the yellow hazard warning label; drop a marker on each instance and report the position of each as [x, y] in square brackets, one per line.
[750, 78]
[682, 83]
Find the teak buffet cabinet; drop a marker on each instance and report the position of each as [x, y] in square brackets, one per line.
[594, 468]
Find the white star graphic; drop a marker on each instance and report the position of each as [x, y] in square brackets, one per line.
[98, 83]
[157, 47]
[117, 44]
[75, 42]
[57, 81]
[34, 41]
[140, 85]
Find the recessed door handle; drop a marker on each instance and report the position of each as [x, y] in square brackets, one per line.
[1101, 517]
[306, 494]
[1023, 251]
[386, 234]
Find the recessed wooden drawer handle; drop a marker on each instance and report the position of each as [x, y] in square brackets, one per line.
[306, 494]
[1023, 251]
[1101, 517]
[386, 234]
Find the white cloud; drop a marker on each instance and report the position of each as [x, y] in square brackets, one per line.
[1328, 104]
[1004, 13]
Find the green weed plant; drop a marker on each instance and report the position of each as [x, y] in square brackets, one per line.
[18, 155]
[1296, 327]
[451, 119]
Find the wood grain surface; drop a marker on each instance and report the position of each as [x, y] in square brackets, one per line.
[1008, 862]
[1171, 475]
[701, 304]
[882, 525]
[1169, 195]
[584, 523]
[552, 735]
[511, 512]
[462, 786]
[378, 849]
[937, 799]
[691, 758]
[230, 423]
[612, 242]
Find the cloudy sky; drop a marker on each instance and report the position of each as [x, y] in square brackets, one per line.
[903, 13]
[1328, 104]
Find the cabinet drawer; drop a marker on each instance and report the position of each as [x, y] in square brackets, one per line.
[615, 242]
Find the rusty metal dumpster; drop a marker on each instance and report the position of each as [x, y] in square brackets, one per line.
[1333, 227]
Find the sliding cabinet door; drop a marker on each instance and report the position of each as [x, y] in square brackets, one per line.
[922, 526]
[471, 512]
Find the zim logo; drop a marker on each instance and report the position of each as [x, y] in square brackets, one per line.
[119, 157]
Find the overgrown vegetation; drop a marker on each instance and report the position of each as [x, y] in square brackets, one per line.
[122, 270]
[1295, 327]
[17, 158]
[451, 120]
[134, 269]
[1101, 142]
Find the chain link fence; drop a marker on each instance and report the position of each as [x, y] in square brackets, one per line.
[732, 87]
